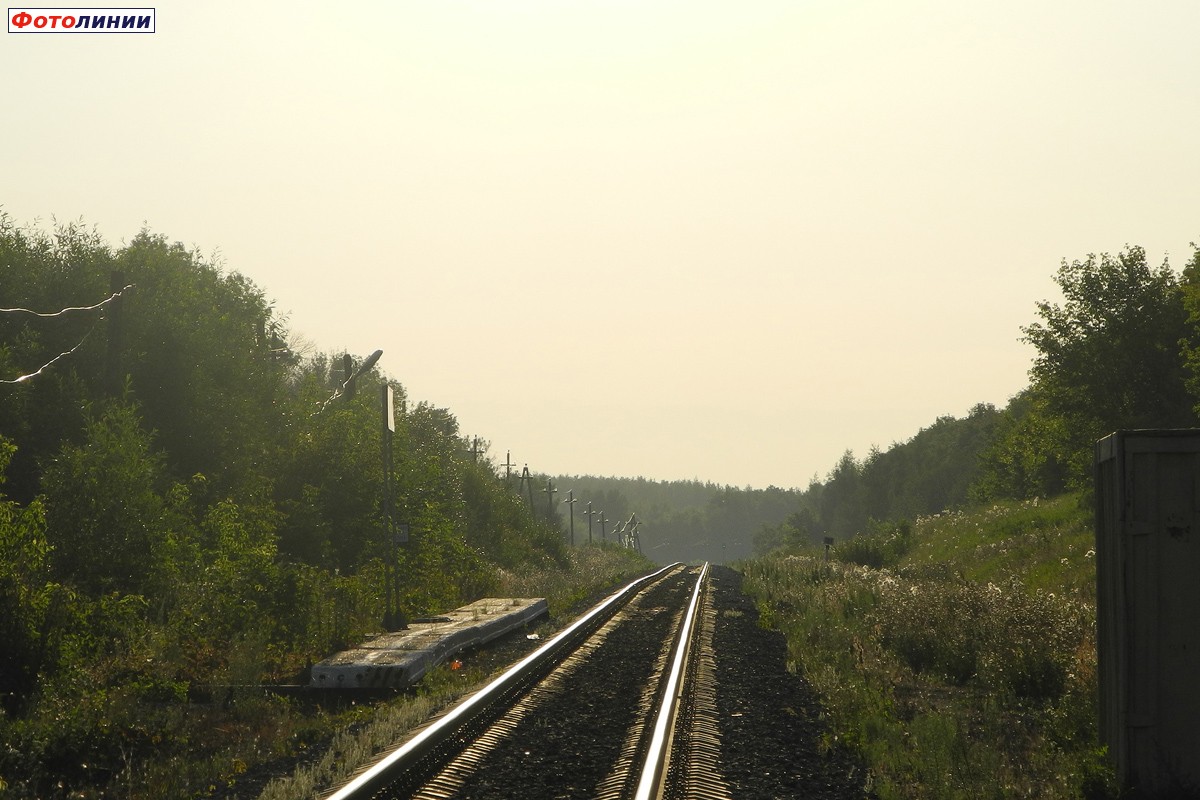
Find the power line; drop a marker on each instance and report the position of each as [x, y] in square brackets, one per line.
[45, 315]
[50, 363]
[101, 304]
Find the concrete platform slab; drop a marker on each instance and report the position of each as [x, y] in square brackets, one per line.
[399, 659]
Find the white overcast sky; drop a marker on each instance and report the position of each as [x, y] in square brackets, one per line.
[725, 240]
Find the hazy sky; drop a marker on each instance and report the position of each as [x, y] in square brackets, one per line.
[725, 240]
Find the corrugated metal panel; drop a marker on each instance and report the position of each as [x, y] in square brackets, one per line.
[1148, 604]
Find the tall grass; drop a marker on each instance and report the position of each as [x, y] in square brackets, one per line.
[958, 654]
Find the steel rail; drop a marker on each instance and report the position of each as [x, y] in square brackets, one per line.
[392, 766]
[658, 755]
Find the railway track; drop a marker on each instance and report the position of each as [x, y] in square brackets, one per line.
[622, 704]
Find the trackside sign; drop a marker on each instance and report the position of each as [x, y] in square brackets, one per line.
[81, 20]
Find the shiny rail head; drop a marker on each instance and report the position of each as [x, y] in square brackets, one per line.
[375, 777]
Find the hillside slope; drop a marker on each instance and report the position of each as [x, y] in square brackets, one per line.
[962, 663]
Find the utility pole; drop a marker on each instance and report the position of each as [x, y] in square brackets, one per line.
[526, 480]
[393, 617]
[635, 539]
[631, 530]
[603, 522]
[550, 492]
[475, 450]
[348, 388]
[589, 514]
[508, 465]
[571, 501]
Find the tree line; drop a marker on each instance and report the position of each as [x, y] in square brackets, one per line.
[682, 520]
[1120, 351]
[183, 494]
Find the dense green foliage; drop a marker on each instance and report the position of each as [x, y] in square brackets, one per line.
[188, 503]
[961, 663]
[931, 471]
[1118, 353]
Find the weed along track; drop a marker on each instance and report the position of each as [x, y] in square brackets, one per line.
[628, 702]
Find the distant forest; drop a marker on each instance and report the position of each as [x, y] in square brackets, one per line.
[695, 521]
[681, 520]
[1121, 351]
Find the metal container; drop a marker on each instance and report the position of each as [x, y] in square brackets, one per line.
[1148, 605]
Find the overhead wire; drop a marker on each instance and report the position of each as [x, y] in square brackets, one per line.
[51, 362]
[65, 354]
[69, 309]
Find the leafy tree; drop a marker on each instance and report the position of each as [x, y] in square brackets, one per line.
[200, 349]
[800, 529]
[931, 471]
[500, 524]
[103, 510]
[330, 488]
[47, 273]
[1109, 357]
[843, 510]
[25, 591]
[1029, 453]
[1191, 344]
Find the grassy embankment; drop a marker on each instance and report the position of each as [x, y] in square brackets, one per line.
[956, 653]
[226, 745]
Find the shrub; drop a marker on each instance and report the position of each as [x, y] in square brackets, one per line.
[884, 544]
[969, 670]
